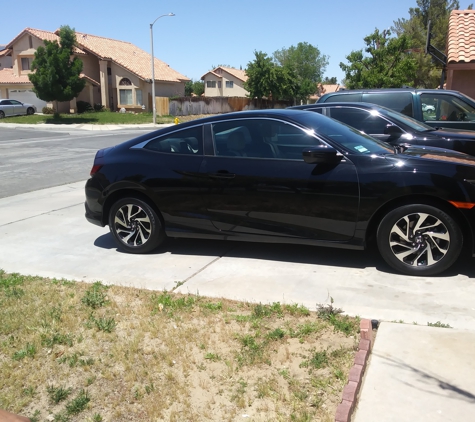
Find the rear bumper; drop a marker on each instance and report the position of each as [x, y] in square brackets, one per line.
[93, 217]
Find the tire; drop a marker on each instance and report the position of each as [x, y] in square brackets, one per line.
[30, 111]
[2, 114]
[419, 240]
[135, 226]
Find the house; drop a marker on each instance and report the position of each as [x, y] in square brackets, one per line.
[225, 82]
[461, 52]
[117, 73]
[324, 89]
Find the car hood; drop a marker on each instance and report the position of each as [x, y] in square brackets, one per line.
[432, 153]
[453, 133]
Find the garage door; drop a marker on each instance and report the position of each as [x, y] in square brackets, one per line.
[26, 96]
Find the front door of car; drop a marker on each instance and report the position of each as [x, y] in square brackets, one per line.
[447, 110]
[259, 185]
[7, 107]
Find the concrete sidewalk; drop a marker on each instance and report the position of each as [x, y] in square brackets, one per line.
[419, 373]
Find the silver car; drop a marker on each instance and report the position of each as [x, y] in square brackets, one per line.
[15, 108]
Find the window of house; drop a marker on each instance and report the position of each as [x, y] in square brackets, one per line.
[126, 96]
[25, 63]
[138, 95]
[229, 84]
[125, 81]
[30, 41]
[210, 84]
[219, 84]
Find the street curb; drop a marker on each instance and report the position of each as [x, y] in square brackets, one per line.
[345, 409]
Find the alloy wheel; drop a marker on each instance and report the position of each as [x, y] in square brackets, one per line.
[132, 225]
[419, 239]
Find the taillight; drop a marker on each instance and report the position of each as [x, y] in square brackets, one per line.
[95, 169]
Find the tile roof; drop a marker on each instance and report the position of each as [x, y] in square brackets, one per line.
[7, 77]
[461, 37]
[237, 73]
[123, 53]
[129, 56]
[5, 52]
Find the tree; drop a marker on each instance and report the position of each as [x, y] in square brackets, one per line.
[305, 64]
[56, 73]
[260, 76]
[330, 81]
[415, 28]
[389, 63]
[188, 88]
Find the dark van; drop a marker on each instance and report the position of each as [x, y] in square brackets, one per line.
[435, 107]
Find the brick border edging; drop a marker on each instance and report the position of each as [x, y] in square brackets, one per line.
[345, 409]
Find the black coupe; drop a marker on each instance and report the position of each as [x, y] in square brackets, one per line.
[286, 176]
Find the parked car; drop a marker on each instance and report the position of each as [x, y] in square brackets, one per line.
[15, 108]
[443, 108]
[285, 176]
[393, 127]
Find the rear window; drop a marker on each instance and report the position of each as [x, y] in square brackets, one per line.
[397, 101]
[343, 98]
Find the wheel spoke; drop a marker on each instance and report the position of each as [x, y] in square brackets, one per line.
[132, 225]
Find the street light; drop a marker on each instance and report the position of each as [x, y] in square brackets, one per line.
[153, 67]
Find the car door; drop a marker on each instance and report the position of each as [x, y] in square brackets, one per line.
[7, 107]
[448, 111]
[259, 185]
[18, 107]
[365, 121]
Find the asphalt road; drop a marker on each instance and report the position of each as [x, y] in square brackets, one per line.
[32, 159]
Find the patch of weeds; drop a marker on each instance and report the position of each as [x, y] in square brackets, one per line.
[296, 309]
[238, 395]
[14, 292]
[58, 394]
[213, 306]
[75, 360]
[150, 388]
[304, 330]
[29, 392]
[57, 338]
[326, 311]
[11, 280]
[212, 356]
[61, 417]
[285, 373]
[95, 297]
[78, 404]
[166, 302]
[36, 416]
[251, 350]
[105, 324]
[90, 381]
[28, 351]
[97, 418]
[63, 282]
[301, 417]
[264, 311]
[276, 334]
[317, 361]
[339, 374]
[438, 324]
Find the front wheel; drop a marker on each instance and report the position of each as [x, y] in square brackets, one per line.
[135, 226]
[419, 240]
[30, 111]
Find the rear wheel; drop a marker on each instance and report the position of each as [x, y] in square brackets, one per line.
[30, 111]
[135, 226]
[419, 239]
[2, 114]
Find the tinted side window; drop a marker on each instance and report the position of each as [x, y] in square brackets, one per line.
[362, 120]
[397, 101]
[446, 107]
[343, 98]
[260, 138]
[187, 141]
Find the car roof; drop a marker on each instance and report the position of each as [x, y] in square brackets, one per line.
[343, 104]
[382, 90]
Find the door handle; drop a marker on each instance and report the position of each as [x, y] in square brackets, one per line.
[222, 175]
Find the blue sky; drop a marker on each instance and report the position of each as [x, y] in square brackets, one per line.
[211, 32]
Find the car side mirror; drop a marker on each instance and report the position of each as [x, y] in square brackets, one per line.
[393, 131]
[321, 154]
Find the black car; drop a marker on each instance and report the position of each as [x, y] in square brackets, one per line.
[435, 107]
[393, 127]
[286, 176]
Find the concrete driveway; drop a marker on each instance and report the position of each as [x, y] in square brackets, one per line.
[45, 233]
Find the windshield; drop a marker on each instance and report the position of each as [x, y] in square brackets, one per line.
[409, 121]
[344, 136]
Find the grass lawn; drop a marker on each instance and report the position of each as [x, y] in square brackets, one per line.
[71, 351]
[98, 118]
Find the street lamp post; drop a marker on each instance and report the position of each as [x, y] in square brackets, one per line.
[153, 68]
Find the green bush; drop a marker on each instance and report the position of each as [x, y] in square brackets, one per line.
[98, 107]
[83, 106]
[47, 110]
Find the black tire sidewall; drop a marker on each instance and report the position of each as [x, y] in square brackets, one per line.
[387, 223]
[157, 236]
